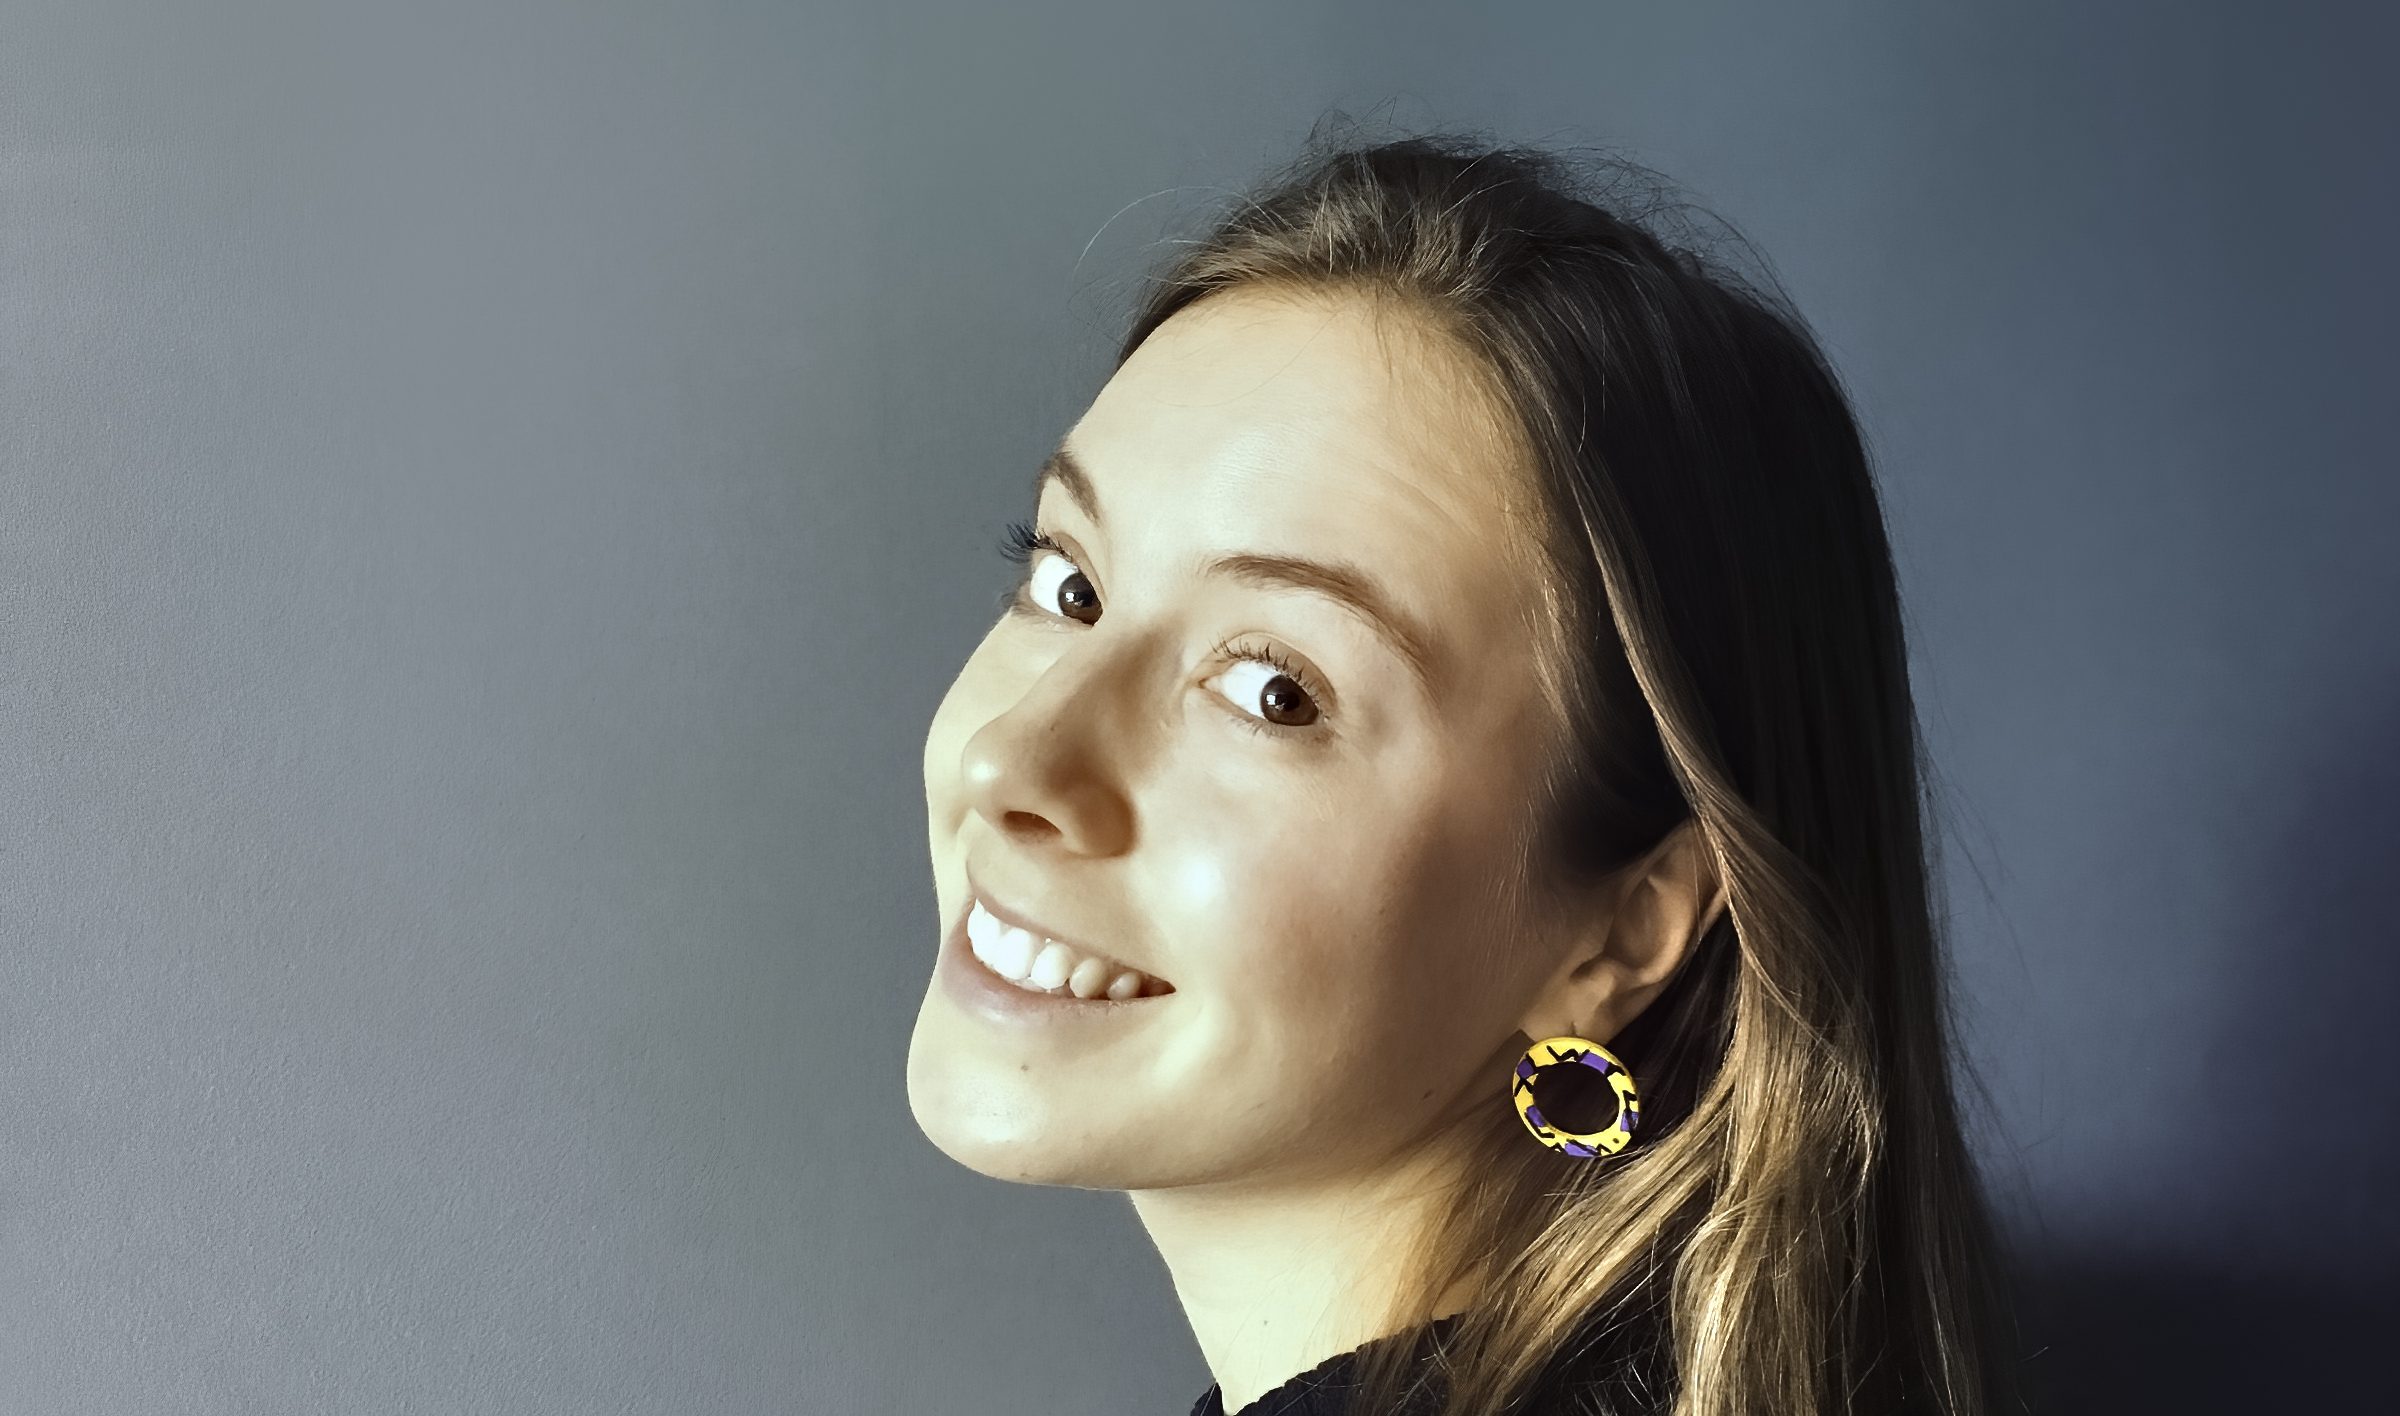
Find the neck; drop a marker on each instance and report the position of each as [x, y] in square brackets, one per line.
[1275, 1279]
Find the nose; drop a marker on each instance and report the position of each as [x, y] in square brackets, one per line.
[1043, 772]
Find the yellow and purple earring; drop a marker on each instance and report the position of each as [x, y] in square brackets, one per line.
[1542, 1061]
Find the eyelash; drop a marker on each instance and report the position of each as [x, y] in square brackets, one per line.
[1019, 543]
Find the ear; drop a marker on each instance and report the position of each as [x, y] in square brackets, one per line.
[1631, 935]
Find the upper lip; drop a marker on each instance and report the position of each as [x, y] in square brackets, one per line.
[1009, 914]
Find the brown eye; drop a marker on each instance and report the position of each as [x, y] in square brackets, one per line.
[1070, 592]
[1264, 691]
[1272, 691]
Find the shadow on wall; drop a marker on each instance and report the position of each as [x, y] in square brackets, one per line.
[2270, 1280]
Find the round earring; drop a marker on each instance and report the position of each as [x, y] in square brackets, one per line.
[1568, 1050]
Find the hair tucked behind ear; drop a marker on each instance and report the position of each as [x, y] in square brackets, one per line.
[1799, 1227]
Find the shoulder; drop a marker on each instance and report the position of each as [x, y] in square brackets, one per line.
[1626, 1367]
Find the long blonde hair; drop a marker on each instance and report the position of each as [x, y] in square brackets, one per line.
[1798, 1227]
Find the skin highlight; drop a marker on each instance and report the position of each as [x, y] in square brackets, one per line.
[1339, 906]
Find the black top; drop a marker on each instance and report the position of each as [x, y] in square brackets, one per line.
[1322, 1389]
[1623, 1372]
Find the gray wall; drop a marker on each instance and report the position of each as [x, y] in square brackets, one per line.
[490, 494]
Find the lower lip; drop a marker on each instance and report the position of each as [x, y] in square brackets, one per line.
[977, 989]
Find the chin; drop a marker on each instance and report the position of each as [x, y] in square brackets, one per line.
[998, 1121]
[991, 1124]
[993, 1146]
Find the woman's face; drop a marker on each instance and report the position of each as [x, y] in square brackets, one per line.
[1311, 853]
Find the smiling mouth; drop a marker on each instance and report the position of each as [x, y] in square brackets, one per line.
[1046, 966]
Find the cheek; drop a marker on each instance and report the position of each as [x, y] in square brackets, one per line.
[1335, 944]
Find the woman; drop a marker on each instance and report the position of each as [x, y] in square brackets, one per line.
[1437, 824]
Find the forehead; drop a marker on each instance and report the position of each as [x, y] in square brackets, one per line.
[1300, 394]
[1317, 425]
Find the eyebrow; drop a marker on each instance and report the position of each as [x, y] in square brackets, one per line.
[1342, 582]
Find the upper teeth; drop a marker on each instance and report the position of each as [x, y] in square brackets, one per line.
[1042, 965]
